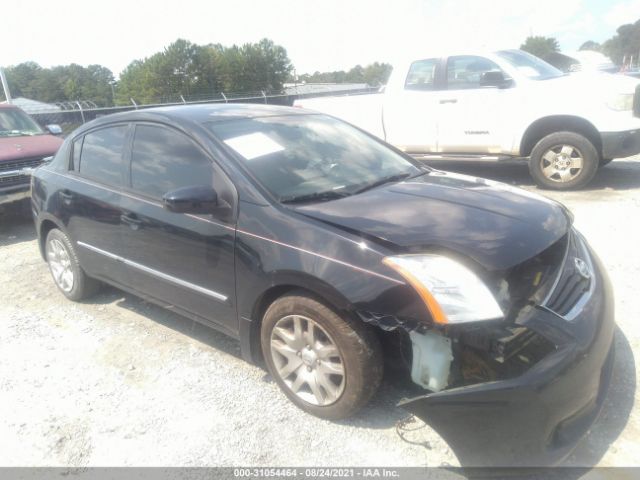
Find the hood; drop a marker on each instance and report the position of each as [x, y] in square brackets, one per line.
[496, 225]
[590, 83]
[28, 146]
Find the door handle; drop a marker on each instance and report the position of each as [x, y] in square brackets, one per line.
[67, 196]
[131, 219]
[449, 100]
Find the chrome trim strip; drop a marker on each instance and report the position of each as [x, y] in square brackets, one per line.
[16, 173]
[364, 270]
[156, 273]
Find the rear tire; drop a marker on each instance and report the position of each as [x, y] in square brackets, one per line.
[563, 161]
[330, 373]
[65, 268]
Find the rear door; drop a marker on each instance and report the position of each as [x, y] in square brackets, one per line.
[179, 259]
[89, 199]
[410, 112]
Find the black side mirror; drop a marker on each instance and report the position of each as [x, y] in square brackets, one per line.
[494, 79]
[196, 199]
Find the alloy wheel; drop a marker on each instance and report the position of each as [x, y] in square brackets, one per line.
[562, 163]
[307, 360]
[60, 265]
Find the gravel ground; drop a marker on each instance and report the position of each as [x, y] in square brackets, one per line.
[116, 381]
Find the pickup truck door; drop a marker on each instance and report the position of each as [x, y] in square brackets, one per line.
[471, 115]
[410, 113]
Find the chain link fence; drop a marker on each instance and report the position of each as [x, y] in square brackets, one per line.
[70, 115]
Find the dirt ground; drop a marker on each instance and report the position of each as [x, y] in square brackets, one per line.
[116, 381]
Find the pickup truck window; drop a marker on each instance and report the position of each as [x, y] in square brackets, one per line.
[422, 75]
[466, 71]
[528, 65]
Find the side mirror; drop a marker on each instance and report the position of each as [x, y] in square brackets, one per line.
[54, 129]
[494, 79]
[196, 199]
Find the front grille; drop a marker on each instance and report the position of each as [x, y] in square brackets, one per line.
[636, 102]
[571, 284]
[20, 177]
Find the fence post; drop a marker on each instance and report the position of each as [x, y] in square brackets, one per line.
[183, 100]
[134, 103]
[264, 95]
[81, 112]
[224, 96]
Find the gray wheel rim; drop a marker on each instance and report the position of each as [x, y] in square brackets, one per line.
[562, 163]
[60, 265]
[307, 360]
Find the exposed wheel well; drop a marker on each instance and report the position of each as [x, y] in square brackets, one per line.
[558, 123]
[45, 227]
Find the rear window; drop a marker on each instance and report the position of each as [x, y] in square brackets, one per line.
[101, 155]
[422, 75]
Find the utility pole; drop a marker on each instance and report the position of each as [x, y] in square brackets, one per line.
[5, 86]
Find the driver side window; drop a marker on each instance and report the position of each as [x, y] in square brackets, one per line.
[466, 72]
[163, 160]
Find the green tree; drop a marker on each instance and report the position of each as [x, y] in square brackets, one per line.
[590, 45]
[62, 83]
[542, 47]
[626, 43]
[192, 71]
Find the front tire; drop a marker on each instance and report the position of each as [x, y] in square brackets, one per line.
[65, 268]
[327, 365]
[563, 161]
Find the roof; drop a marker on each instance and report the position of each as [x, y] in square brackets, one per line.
[186, 115]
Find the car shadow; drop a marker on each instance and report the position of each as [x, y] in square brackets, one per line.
[209, 336]
[616, 410]
[16, 225]
[382, 411]
[621, 174]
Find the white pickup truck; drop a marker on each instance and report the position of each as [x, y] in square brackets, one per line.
[500, 105]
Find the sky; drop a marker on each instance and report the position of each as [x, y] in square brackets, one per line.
[319, 35]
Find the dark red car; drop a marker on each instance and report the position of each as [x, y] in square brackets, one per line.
[23, 146]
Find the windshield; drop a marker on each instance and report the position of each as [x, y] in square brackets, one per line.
[309, 158]
[529, 65]
[14, 122]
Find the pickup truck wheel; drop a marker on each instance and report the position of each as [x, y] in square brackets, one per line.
[563, 160]
[65, 268]
[327, 365]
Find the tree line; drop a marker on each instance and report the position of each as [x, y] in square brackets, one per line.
[190, 70]
[375, 74]
[620, 48]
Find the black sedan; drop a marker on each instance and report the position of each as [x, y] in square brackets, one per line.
[332, 256]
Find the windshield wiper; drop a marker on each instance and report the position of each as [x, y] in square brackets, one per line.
[390, 179]
[315, 197]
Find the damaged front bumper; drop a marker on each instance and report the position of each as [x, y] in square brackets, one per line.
[538, 417]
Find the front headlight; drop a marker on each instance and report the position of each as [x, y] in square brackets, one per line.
[451, 292]
[620, 102]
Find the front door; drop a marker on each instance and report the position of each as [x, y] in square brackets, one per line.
[179, 259]
[470, 114]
